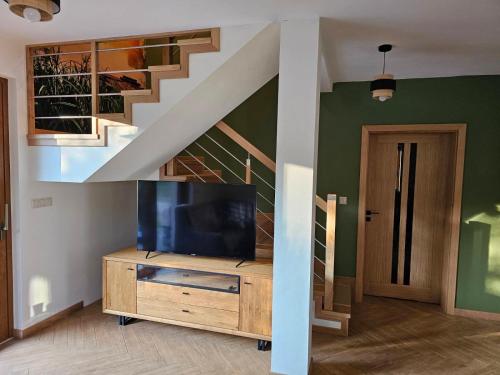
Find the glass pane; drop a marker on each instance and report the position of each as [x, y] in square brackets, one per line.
[111, 104]
[54, 107]
[73, 85]
[74, 126]
[61, 64]
[115, 83]
[64, 48]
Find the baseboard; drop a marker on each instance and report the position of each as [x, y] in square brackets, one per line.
[477, 314]
[37, 327]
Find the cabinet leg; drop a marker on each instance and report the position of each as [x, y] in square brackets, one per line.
[263, 345]
[124, 320]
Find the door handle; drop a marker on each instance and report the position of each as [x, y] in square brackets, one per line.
[5, 226]
[372, 212]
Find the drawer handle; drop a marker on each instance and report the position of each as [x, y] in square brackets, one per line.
[185, 293]
[130, 269]
[186, 311]
[247, 283]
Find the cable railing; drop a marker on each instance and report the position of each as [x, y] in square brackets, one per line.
[215, 148]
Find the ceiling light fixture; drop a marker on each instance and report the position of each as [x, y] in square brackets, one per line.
[384, 85]
[35, 10]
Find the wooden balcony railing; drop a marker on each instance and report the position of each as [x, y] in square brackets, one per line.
[77, 89]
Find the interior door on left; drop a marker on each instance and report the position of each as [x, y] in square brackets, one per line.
[5, 243]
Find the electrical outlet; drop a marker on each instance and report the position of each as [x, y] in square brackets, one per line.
[41, 202]
[343, 200]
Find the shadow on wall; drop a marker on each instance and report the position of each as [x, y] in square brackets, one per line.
[481, 265]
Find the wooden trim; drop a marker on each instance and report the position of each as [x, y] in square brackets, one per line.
[4, 86]
[475, 314]
[360, 258]
[331, 219]
[30, 92]
[37, 327]
[247, 146]
[94, 83]
[450, 261]
[124, 37]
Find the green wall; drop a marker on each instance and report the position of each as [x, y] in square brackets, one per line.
[471, 100]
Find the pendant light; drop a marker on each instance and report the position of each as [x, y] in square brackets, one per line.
[384, 85]
[35, 10]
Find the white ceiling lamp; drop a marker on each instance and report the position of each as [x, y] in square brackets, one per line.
[35, 10]
[384, 85]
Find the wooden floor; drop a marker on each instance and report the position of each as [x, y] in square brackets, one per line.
[387, 337]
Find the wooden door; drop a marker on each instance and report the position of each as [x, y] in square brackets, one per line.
[408, 199]
[121, 287]
[5, 239]
[256, 305]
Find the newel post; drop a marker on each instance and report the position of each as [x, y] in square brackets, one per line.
[331, 219]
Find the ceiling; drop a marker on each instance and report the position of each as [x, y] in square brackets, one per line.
[432, 38]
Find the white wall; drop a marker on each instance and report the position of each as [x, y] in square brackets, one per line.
[296, 154]
[57, 249]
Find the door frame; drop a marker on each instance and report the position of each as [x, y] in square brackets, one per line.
[4, 112]
[450, 256]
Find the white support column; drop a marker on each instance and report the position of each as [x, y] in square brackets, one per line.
[298, 112]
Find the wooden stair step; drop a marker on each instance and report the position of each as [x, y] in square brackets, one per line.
[336, 321]
[186, 165]
[206, 176]
[192, 41]
[136, 92]
[164, 68]
[341, 297]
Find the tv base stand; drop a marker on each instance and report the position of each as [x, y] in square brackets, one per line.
[195, 292]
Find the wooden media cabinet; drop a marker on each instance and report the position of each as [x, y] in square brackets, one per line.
[191, 291]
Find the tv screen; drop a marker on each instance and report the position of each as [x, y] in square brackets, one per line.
[197, 218]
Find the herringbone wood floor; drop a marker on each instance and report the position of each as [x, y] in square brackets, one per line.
[387, 337]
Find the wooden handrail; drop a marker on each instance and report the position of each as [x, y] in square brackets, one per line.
[257, 154]
[247, 146]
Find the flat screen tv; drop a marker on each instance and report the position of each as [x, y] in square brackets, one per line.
[197, 218]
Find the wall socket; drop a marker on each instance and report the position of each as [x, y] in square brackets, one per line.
[41, 202]
[342, 200]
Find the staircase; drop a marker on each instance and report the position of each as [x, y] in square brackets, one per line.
[158, 122]
[331, 317]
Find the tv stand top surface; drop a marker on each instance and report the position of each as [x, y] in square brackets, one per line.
[259, 267]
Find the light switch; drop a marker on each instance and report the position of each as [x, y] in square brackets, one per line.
[343, 200]
[41, 202]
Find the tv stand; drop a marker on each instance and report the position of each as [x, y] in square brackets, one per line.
[196, 292]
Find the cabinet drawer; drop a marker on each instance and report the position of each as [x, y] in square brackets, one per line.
[188, 296]
[188, 313]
